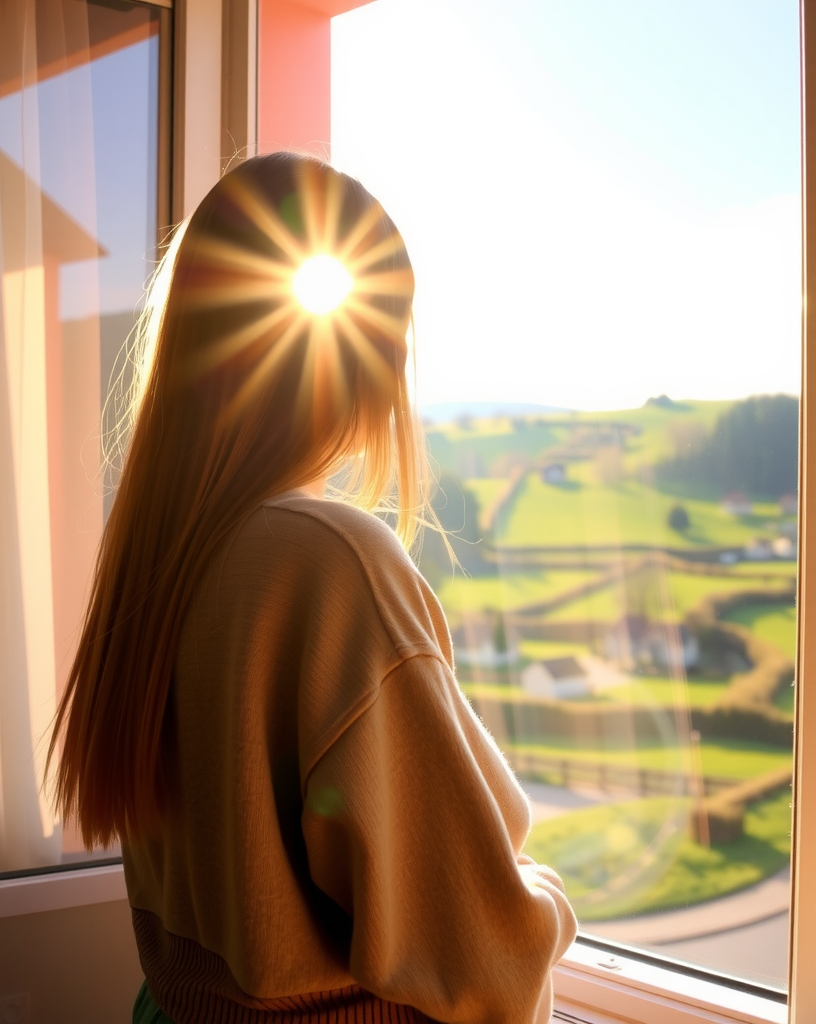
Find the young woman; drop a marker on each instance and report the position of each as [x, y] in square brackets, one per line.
[314, 825]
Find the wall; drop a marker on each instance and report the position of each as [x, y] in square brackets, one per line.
[77, 966]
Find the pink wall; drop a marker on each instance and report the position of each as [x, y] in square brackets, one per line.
[294, 73]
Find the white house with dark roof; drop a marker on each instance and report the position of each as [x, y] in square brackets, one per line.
[635, 641]
[736, 504]
[562, 678]
[474, 643]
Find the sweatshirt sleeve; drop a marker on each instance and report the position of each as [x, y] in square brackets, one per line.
[414, 825]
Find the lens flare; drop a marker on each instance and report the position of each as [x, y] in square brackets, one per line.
[321, 284]
[313, 281]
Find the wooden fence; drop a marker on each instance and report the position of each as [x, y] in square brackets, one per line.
[612, 778]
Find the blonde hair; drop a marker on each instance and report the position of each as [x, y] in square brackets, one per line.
[239, 396]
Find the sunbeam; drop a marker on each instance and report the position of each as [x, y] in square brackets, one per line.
[318, 280]
[321, 283]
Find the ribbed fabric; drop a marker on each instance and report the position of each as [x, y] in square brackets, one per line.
[193, 986]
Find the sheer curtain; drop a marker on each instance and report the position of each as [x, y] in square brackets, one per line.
[65, 304]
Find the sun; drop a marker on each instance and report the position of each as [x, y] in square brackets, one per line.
[324, 285]
[321, 284]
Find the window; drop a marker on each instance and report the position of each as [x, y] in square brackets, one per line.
[84, 198]
[602, 257]
[593, 982]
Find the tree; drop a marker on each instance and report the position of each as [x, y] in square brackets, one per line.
[499, 635]
[754, 447]
[457, 509]
[679, 518]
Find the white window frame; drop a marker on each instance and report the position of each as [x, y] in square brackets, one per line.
[590, 984]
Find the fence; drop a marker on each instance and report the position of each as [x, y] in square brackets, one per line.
[612, 778]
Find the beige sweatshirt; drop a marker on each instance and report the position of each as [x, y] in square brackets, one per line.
[345, 824]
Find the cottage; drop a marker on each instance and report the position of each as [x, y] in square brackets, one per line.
[635, 642]
[759, 550]
[736, 504]
[784, 547]
[562, 678]
[484, 644]
[555, 473]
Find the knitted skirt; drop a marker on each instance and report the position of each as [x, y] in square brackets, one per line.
[344, 1011]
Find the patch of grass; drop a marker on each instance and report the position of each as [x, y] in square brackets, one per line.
[731, 759]
[686, 590]
[777, 625]
[494, 691]
[508, 591]
[485, 441]
[786, 700]
[696, 693]
[486, 490]
[763, 569]
[769, 622]
[637, 856]
[639, 692]
[628, 513]
[539, 650]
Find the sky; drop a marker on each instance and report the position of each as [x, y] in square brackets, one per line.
[600, 197]
[88, 138]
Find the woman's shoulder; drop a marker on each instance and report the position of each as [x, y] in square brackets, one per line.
[351, 550]
[360, 530]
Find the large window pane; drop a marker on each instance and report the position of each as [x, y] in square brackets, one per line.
[79, 87]
[601, 200]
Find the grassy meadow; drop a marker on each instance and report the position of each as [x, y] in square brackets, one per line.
[572, 523]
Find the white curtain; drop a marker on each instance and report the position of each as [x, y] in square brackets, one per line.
[29, 833]
[49, 400]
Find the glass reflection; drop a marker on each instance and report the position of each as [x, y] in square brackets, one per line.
[78, 213]
[601, 202]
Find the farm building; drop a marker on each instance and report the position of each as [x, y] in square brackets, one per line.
[554, 473]
[480, 641]
[736, 504]
[759, 550]
[784, 547]
[556, 677]
[636, 642]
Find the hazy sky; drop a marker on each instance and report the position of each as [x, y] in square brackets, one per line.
[600, 197]
[88, 137]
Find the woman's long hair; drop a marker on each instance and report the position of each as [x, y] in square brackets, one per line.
[244, 395]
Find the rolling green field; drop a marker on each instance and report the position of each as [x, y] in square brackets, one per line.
[655, 691]
[533, 650]
[486, 491]
[777, 626]
[685, 591]
[637, 856]
[656, 435]
[762, 570]
[510, 591]
[606, 526]
[640, 691]
[730, 759]
[770, 622]
[631, 512]
[661, 429]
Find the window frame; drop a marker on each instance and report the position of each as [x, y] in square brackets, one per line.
[590, 984]
[629, 987]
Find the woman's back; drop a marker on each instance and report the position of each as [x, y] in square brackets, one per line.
[308, 800]
[262, 706]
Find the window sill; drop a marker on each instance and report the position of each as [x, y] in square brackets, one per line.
[585, 980]
[59, 890]
[630, 990]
